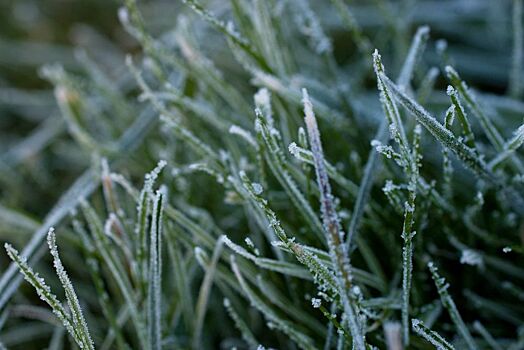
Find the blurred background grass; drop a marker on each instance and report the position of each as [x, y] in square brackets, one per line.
[33, 33]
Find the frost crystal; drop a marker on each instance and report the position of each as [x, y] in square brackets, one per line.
[389, 186]
[249, 242]
[153, 175]
[393, 129]
[257, 188]
[293, 149]
[316, 303]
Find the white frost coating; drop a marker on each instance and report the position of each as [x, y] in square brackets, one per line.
[72, 300]
[383, 149]
[409, 208]
[451, 113]
[293, 149]
[42, 289]
[278, 244]
[238, 249]
[257, 188]
[262, 97]
[153, 175]
[431, 336]
[507, 249]
[509, 147]
[258, 123]
[520, 130]
[389, 186]
[449, 304]
[154, 298]
[109, 224]
[517, 140]
[149, 181]
[194, 166]
[393, 129]
[329, 215]
[316, 303]
[466, 154]
[274, 132]
[230, 26]
[249, 242]
[263, 102]
[334, 233]
[246, 135]
[471, 257]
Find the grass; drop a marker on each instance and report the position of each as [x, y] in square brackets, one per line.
[248, 174]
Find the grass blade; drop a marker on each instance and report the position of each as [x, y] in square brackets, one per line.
[333, 229]
[154, 295]
[72, 300]
[431, 336]
[449, 304]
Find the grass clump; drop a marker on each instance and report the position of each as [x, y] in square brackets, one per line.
[295, 196]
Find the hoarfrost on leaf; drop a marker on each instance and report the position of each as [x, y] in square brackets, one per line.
[293, 149]
[408, 208]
